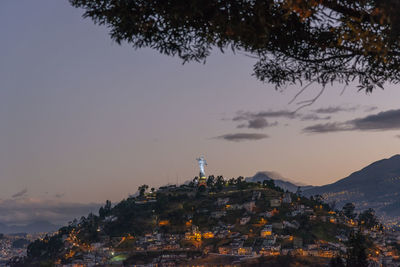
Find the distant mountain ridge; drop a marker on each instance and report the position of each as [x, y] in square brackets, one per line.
[376, 186]
[282, 182]
[34, 227]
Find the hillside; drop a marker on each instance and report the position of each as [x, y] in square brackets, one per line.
[234, 218]
[376, 186]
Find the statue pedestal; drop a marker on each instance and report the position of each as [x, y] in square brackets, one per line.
[202, 181]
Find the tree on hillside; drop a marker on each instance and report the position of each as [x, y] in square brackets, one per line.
[348, 211]
[367, 218]
[142, 189]
[269, 184]
[293, 41]
[336, 262]
[299, 191]
[210, 181]
[356, 250]
[106, 210]
[219, 183]
[319, 199]
[240, 183]
[332, 204]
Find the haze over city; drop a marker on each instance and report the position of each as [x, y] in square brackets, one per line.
[85, 120]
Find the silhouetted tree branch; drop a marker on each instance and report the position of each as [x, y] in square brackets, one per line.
[294, 41]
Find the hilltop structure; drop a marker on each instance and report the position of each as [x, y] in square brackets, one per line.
[202, 176]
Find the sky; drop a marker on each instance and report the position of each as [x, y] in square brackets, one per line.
[84, 119]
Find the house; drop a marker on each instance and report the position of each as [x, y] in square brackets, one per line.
[312, 217]
[203, 210]
[195, 234]
[286, 251]
[96, 245]
[256, 195]
[153, 247]
[270, 250]
[297, 242]
[327, 253]
[296, 212]
[267, 214]
[277, 225]
[225, 250]
[275, 202]
[245, 220]
[249, 206]
[312, 246]
[171, 246]
[269, 241]
[208, 235]
[237, 242]
[287, 198]
[300, 207]
[218, 214]
[293, 224]
[387, 261]
[311, 252]
[266, 231]
[222, 201]
[309, 210]
[234, 207]
[244, 251]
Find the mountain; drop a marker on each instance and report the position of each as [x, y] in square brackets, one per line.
[376, 186]
[282, 182]
[35, 227]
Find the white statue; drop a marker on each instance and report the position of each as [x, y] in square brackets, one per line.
[202, 162]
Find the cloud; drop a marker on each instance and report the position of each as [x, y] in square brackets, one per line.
[20, 193]
[287, 114]
[257, 123]
[382, 121]
[326, 128]
[370, 108]
[264, 114]
[257, 120]
[314, 117]
[343, 108]
[28, 210]
[238, 137]
[335, 109]
[387, 120]
[59, 195]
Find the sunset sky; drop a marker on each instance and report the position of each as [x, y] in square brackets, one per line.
[84, 119]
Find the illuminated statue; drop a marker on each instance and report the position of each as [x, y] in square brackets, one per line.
[202, 162]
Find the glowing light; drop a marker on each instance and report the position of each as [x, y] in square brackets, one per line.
[207, 235]
[163, 223]
[202, 162]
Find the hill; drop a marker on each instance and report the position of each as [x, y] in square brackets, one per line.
[279, 180]
[177, 224]
[376, 186]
